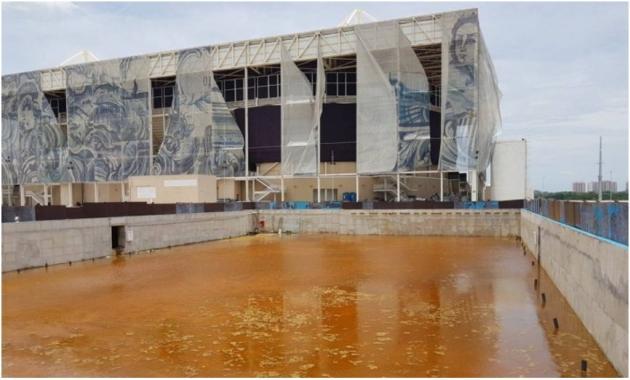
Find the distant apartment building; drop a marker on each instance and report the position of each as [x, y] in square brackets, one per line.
[579, 187]
[606, 186]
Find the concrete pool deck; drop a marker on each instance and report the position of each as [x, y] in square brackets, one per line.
[298, 305]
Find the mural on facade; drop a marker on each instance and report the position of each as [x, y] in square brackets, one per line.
[33, 144]
[108, 120]
[393, 102]
[414, 140]
[202, 136]
[460, 33]
[227, 140]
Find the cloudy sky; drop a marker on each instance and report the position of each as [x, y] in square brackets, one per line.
[562, 67]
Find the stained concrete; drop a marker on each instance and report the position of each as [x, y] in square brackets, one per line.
[496, 223]
[36, 244]
[591, 273]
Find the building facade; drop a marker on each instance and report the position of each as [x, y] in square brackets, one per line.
[398, 109]
[606, 186]
[579, 187]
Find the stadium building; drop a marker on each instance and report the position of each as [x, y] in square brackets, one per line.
[393, 110]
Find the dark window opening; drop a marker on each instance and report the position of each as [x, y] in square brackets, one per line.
[162, 92]
[118, 237]
[57, 102]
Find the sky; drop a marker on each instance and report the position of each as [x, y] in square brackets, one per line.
[562, 67]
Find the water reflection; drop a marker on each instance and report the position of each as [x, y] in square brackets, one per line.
[296, 306]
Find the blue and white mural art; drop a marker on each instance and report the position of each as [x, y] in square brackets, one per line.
[414, 140]
[393, 101]
[109, 125]
[202, 136]
[109, 132]
[470, 113]
[108, 120]
[33, 144]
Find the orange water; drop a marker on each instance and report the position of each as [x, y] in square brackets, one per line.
[297, 306]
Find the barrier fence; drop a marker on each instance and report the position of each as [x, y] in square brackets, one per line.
[605, 219]
[114, 209]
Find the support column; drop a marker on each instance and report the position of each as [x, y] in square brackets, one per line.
[473, 186]
[69, 202]
[122, 191]
[46, 195]
[282, 188]
[246, 102]
[397, 187]
[318, 126]
[441, 186]
[356, 185]
[22, 196]
[319, 187]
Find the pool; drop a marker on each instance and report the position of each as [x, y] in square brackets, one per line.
[307, 305]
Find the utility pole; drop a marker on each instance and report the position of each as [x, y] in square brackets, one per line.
[599, 176]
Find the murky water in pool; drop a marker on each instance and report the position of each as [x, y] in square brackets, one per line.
[297, 306]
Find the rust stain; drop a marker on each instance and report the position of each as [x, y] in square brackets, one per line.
[316, 305]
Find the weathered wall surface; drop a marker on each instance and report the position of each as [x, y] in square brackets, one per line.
[499, 223]
[591, 273]
[35, 244]
[159, 231]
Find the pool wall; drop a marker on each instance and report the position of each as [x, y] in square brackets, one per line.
[497, 223]
[36, 244]
[592, 274]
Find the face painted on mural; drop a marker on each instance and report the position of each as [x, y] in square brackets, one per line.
[457, 151]
[465, 41]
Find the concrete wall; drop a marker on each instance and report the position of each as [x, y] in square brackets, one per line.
[106, 192]
[499, 223]
[159, 231]
[229, 189]
[35, 244]
[173, 188]
[591, 273]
